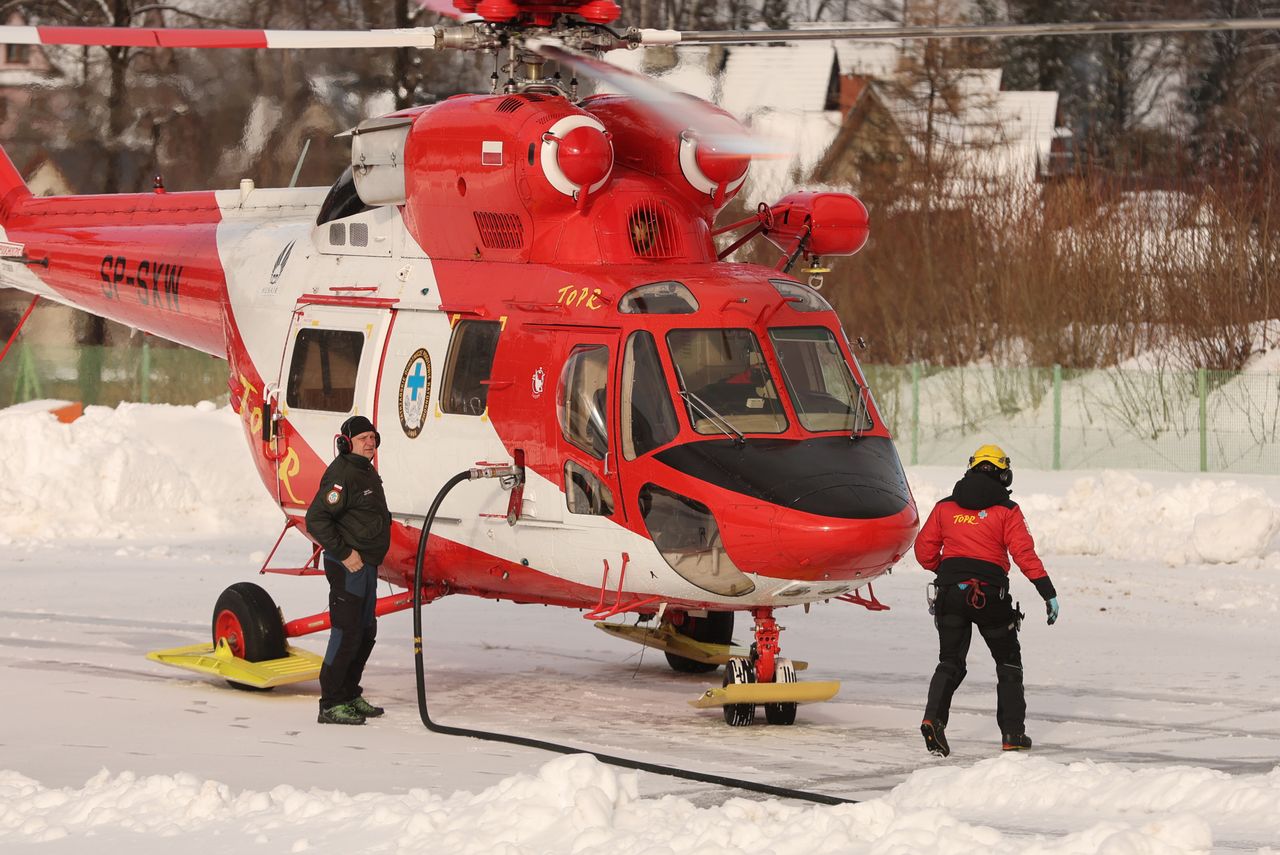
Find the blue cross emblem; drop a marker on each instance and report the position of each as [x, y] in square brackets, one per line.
[416, 381]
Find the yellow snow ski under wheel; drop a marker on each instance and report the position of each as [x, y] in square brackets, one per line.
[298, 666]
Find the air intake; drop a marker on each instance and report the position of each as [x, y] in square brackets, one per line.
[499, 231]
[652, 231]
[510, 104]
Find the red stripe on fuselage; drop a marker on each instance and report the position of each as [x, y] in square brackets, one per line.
[147, 260]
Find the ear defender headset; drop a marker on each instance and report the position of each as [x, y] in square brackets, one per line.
[354, 426]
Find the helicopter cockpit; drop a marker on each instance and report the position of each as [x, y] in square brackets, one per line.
[767, 408]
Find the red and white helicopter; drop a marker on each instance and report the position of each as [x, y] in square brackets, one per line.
[526, 284]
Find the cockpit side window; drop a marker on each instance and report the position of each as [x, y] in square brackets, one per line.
[822, 388]
[342, 201]
[725, 382]
[583, 399]
[468, 366]
[648, 417]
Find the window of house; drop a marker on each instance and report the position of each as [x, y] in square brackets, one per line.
[582, 399]
[468, 366]
[322, 375]
[17, 54]
[648, 417]
[584, 493]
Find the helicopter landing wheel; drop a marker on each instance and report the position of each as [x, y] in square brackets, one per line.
[739, 670]
[783, 713]
[715, 628]
[249, 620]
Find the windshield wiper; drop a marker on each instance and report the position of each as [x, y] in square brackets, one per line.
[724, 425]
[861, 415]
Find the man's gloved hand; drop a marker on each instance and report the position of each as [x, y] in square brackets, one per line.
[1051, 609]
[354, 562]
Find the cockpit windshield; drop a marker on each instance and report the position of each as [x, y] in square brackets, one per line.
[729, 387]
[822, 388]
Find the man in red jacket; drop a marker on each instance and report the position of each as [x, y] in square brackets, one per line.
[967, 541]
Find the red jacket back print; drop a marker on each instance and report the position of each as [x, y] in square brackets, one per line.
[971, 534]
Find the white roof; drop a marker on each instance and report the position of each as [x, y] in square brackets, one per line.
[994, 132]
[777, 77]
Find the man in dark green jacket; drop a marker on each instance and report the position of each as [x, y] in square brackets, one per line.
[349, 518]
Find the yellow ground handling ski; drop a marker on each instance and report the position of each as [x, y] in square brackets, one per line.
[668, 639]
[298, 666]
[767, 693]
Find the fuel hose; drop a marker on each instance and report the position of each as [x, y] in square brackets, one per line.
[511, 739]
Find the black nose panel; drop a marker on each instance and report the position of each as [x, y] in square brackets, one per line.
[831, 476]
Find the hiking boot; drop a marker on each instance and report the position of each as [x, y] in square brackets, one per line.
[365, 708]
[935, 738]
[340, 714]
[1016, 742]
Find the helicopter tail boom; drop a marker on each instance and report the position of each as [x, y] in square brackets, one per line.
[147, 260]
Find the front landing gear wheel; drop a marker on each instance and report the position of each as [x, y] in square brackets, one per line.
[739, 670]
[248, 619]
[715, 628]
[784, 713]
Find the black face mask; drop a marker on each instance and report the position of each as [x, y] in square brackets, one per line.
[1004, 476]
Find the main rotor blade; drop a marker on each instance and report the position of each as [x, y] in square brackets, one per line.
[953, 31]
[676, 110]
[163, 37]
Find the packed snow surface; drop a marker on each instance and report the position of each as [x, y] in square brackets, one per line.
[1153, 702]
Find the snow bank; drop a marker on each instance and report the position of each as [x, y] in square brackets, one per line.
[137, 471]
[141, 471]
[575, 804]
[1125, 516]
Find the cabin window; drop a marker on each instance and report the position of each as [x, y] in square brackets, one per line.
[468, 366]
[725, 382]
[322, 375]
[583, 399]
[648, 418]
[801, 297]
[658, 298]
[584, 493]
[822, 388]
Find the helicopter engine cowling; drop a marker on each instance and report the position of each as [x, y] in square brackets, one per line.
[523, 177]
[705, 172]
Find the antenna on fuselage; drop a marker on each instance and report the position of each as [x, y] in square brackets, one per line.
[297, 170]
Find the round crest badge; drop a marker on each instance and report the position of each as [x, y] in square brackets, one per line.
[415, 393]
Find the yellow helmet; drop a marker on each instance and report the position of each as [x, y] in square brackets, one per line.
[992, 454]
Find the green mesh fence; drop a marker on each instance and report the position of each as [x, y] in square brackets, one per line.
[110, 375]
[1052, 418]
[1046, 418]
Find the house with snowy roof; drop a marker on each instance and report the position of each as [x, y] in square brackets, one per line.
[841, 110]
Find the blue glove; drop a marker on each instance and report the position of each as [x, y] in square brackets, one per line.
[1051, 609]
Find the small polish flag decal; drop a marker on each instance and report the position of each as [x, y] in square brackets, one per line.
[491, 153]
[11, 250]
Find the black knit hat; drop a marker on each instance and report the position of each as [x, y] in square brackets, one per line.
[355, 426]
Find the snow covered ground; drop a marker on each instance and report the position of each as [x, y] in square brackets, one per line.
[1154, 703]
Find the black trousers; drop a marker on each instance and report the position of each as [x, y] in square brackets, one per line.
[352, 597]
[956, 613]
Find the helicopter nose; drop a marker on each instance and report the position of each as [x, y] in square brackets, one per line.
[833, 477]
[823, 508]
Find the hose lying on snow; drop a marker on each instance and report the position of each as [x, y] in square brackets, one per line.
[670, 771]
